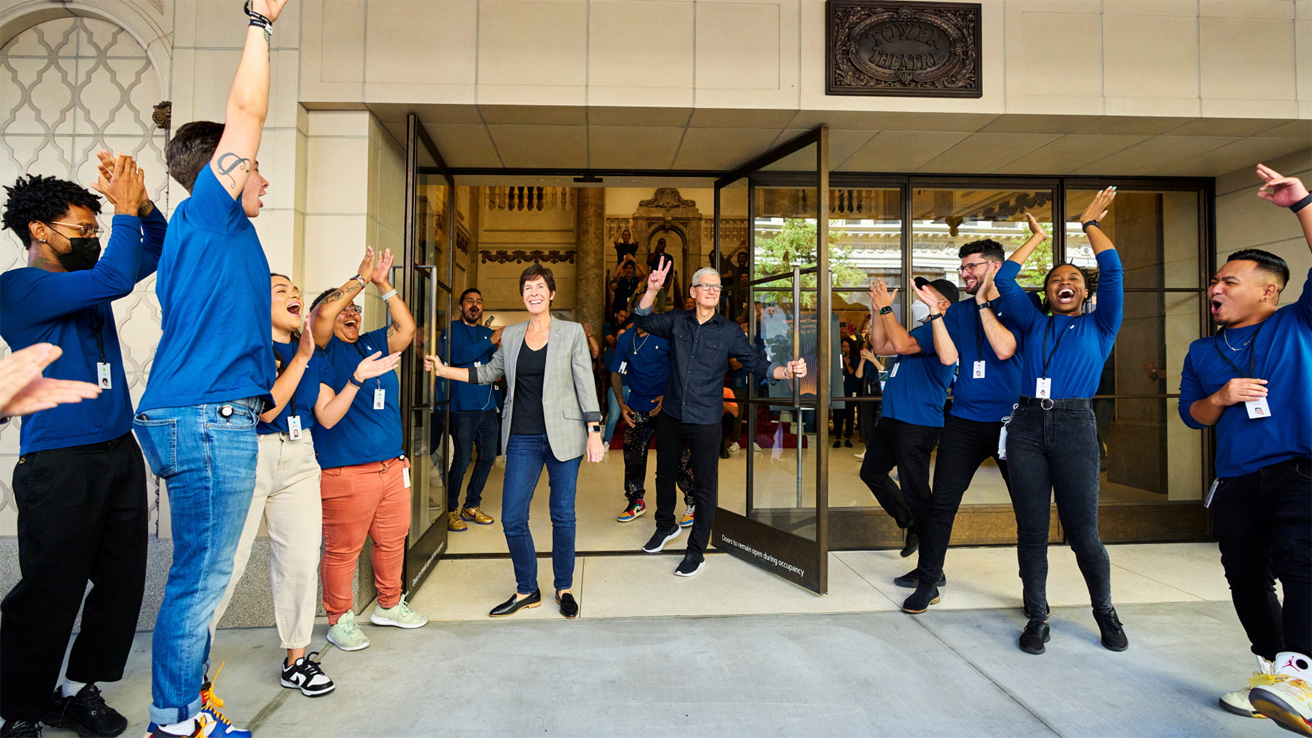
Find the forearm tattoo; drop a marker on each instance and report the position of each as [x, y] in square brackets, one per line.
[229, 162]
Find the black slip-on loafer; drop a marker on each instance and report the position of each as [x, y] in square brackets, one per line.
[569, 607]
[515, 604]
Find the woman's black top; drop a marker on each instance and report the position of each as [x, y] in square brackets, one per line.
[526, 419]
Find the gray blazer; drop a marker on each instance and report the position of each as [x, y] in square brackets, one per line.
[569, 393]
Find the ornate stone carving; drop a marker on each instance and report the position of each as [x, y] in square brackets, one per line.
[522, 256]
[902, 48]
[667, 198]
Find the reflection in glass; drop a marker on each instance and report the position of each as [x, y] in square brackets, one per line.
[944, 220]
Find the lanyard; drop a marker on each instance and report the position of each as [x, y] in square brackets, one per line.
[474, 338]
[97, 326]
[979, 334]
[1047, 357]
[1252, 354]
[378, 379]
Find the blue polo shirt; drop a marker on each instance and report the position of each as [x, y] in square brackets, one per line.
[1281, 353]
[646, 361]
[71, 310]
[990, 399]
[1077, 347]
[213, 289]
[471, 345]
[364, 434]
[306, 394]
[917, 386]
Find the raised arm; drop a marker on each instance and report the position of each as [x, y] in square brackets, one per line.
[1289, 192]
[944, 348]
[1092, 214]
[402, 330]
[1013, 296]
[248, 102]
[887, 333]
[1111, 292]
[999, 337]
[154, 226]
[325, 313]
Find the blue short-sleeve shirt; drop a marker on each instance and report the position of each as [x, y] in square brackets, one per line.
[364, 434]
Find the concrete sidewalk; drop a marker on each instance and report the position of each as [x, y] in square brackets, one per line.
[945, 673]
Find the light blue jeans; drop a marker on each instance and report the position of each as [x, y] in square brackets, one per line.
[613, 416]
[207, 456]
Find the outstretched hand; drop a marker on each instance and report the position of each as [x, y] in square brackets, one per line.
[985, 285]
[305, 347]
[121, 182]
[927, 296]
[433, 364]
[383, 269]
[376, 365]
[1277, 189]
[1036, 230]
[1097, 209]
[24, 391]
[656, 280]
[367, 264]
[880, 297]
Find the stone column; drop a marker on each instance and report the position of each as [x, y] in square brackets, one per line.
[590, 257]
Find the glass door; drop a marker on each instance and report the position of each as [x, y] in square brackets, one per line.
[426, 284]
[773, 501]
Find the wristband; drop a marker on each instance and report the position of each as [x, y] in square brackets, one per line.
[985, 305]
[259, 20]
[388, 295]
[361, 280]
[1085, 225]
[934, 316]
[1307, 200]
[885, 310]
[358, 385]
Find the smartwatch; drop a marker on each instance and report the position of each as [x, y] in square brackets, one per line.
[885, 310]
[985, 305]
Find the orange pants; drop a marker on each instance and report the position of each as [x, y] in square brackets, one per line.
[363, 499]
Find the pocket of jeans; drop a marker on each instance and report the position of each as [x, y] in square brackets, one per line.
[159, 443]
[1301, 470]
[240, 417]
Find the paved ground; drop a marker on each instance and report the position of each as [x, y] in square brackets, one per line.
[946, 673]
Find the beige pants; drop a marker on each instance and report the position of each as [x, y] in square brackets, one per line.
[287, 499]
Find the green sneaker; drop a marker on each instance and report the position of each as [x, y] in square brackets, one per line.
[346, 635]
[400, 616]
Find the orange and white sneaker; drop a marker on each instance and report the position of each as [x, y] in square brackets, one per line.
[1238, 702]
[1288, 698]
[689, 514]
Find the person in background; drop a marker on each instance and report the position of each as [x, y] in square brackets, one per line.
[625, 284]
[619, 323]
[868, 370]
[80, 484]
[845, 417]
[365, 483]
[474, 411]
[552, 420]
[729, 424]
[1250, 383]
[624, 246]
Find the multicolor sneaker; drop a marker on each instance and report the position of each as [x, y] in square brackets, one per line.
[633, 511]
[208, 723]
[1288, 698]
[346, 635]
[304, 674]
[1238, 702]
[686, 520]
[454, 523]
[398, 616]
[476, 515]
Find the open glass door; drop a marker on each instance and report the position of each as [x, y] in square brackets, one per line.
[774, 505]
[426, 284]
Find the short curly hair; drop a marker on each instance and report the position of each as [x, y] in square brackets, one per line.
[44, 199]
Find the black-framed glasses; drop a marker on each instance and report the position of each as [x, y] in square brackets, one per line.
[85, 231]
[970, 267]
[709, 287]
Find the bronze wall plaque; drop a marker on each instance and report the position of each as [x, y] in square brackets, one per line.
[902, 48]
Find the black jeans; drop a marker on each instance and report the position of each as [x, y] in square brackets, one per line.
[1055, 452]
[636, 441]
[471, 429]
[908, 447]
[964, 445]
[703, 441]
[1263, 523]
[82, 515]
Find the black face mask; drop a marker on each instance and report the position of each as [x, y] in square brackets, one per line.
[83, 254]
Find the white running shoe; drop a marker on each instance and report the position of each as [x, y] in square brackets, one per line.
[1237, 701]
[861, 456]
[734, 447]
[1288, 698]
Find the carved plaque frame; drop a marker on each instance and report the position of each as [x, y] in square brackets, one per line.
[916, 49]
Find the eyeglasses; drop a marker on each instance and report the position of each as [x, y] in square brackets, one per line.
[85, 231]
[351, 310]
[971, 267]
[709, 287]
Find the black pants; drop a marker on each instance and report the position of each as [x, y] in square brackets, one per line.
[1263, 523]
[1054, 453]
[703, 441]
[908, 447]
[471, 429]
[636, 440]
[82, 515]
[965, 445]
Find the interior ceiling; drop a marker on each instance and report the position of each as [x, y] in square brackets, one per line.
[628, 139]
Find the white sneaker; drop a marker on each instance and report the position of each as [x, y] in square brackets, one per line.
[398, 616]
[1288, 698]
[1237, 701]
[756, 446]
[346, 635]
[734, 447]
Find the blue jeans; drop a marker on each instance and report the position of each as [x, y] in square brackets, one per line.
[471, 429]
[525, 457]
[613, 416]
[206, 454]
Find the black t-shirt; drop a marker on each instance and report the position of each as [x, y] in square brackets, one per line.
[527, 419]
[623, 249]
[624, 287]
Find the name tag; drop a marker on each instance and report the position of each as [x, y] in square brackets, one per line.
[893, 372]
[405, 476]
[478, 363]
[979, 370]
[105, 377]
[294, 427]
[380, 398]
[1043, 388]
[1258, 408]
[624, 367]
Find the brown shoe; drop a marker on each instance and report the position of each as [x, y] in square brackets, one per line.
[454, 523]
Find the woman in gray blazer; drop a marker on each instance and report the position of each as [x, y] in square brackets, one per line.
[551, 418]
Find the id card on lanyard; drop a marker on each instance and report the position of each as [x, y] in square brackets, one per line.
[1043, 387]
[1257, 409]
[380, 394]
[104, 374]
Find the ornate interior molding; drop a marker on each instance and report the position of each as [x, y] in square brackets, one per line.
[526, 256]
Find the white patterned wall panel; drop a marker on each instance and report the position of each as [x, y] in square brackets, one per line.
[81, 85]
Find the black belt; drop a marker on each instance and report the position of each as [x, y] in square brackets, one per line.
[1069, 403]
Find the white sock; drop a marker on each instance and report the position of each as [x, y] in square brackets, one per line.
[186, 727]
[71, 688]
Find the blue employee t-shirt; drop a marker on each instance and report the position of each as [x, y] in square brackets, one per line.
[646, 361]
[69, 309]
[471, 344]
[990, 399]
[307, 392]
[213, 289]
[364, 434]
[1075, 364]
[917, 386]
[1280, 349]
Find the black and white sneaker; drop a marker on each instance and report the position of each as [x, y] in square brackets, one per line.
[690, 565]
[661, 537]
[85, 712]
[306, 676]
[21, 729]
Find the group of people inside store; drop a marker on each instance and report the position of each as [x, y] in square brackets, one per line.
[261, 410]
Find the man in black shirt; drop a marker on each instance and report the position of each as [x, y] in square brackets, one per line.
[625, 284]
[701, 343]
